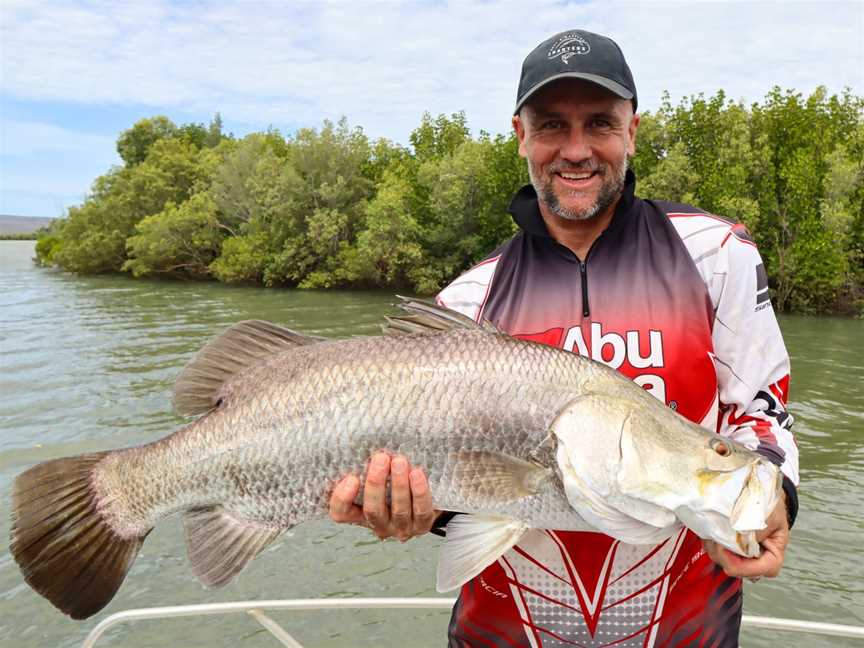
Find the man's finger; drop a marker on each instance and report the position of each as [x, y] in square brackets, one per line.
[374, 494]
[767, 564]
[724, 558]
[713, 551]
[421, 499]
[342, 507]
[400, 498]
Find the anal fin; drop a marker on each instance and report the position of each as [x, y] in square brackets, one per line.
[220, 545]
[473, 543]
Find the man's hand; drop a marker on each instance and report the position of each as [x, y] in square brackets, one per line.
[773, 538]
[410, 513]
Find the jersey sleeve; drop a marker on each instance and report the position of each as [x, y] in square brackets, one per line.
[752, 363]
[467, 294]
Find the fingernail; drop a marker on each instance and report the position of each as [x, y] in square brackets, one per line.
[416, 477]
[380, 460]
[398, 466]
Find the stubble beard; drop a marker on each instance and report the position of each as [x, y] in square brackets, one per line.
[613, 185]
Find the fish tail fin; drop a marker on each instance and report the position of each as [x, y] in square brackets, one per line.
[65, 548]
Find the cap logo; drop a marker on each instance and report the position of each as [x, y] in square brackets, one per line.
[568, 46]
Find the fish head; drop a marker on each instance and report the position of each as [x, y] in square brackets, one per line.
[734, 506]
[717, 487]
[589, 432]
[646, 461]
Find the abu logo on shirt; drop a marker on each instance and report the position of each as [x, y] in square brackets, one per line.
[613, 349]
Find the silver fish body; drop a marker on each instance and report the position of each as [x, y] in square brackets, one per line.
[286, 429]
[517, 434]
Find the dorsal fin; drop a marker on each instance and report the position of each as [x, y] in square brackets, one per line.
[428, 317]
[243, 345]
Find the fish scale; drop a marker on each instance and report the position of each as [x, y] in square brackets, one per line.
[391, 400]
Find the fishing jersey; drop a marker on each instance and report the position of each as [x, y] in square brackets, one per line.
[677, 300]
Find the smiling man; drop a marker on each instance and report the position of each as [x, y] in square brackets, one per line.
[672, 297]
[577, 156]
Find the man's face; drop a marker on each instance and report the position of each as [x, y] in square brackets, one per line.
[576, 137]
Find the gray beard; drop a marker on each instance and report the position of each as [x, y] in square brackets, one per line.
[609, 192]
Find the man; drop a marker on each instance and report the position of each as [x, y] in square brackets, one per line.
[672, 297]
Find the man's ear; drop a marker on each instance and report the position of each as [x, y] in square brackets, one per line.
[631, 135]
[519, 127]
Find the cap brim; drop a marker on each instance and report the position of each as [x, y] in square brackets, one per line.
[608, 84]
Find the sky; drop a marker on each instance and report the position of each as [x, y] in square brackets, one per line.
[73, 75]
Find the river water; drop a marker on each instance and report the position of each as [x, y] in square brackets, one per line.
[87, 363]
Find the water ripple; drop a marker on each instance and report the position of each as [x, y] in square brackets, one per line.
[88, 364]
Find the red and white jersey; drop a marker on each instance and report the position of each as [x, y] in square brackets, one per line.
[677, 300]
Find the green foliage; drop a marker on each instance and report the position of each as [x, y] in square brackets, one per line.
[94, 235]
[203, 136]
[436, 138]
[134, 144]
[20, 236]
[461, 201]
[790, 168]
[244, 259]
[180, 241]
[315, 201]
[326, 207]
[389, 250]
[807, 255]
[46, 245]
[673, 177]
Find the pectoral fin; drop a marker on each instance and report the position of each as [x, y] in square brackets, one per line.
[473, 543]
[220, 545]
[495, 476]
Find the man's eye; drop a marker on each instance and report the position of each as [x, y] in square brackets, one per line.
[600, 123]
[552, 124]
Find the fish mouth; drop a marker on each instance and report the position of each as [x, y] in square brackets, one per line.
[747, 544]
[757, 498]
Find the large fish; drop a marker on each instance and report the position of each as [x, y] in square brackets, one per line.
[517, 434]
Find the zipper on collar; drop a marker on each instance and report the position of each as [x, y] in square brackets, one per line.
[583, 272]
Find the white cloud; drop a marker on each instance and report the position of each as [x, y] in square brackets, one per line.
[383, 64]
[45, 168]
[47, 184]
[28, 138]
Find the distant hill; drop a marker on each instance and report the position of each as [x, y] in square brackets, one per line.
[22, 224]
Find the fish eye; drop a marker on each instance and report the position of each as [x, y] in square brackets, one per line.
[720, 447]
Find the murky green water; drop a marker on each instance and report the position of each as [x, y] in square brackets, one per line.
[87, 364]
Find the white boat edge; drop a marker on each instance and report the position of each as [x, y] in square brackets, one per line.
[255, 609]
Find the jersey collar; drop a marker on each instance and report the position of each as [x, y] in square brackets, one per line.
[526, 211]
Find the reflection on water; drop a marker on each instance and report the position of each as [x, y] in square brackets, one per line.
[87, 364]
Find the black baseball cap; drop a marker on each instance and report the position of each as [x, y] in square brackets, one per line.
[576, 54]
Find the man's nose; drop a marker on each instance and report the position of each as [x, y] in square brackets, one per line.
[576, 147]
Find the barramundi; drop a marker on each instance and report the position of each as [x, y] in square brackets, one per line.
[513, 434]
